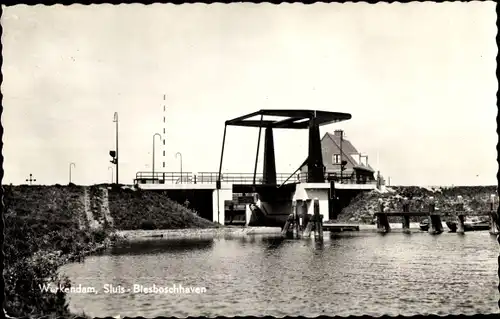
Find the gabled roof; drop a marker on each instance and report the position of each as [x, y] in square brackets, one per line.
[347, 147]
[348, 150]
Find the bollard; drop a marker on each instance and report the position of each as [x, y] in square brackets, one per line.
[406, 224]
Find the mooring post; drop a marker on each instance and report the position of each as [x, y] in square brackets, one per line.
[435, 225]
[309, 221]
[295, 219]
[406, 218]
[320, 227]
[406, 224]
[460, 215]
[302, 207]
[286, 229]
[382, 220]
[493, 216]
[460, 224]
[318, 222]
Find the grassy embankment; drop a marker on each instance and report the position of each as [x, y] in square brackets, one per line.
[362, 207]
[48, 226]
[136, 209]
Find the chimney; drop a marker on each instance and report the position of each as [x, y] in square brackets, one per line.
[337, 133]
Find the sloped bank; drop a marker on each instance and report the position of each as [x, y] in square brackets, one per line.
[45, 227]
[48, 226]
[363, 207]
[133, 209]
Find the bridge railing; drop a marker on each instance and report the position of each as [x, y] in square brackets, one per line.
[348, 177]
[163, 178]
[206, 178]
[240, 178]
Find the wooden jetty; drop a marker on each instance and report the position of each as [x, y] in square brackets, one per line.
[337, 227]
[434, 217]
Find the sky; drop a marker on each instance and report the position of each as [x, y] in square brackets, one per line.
[418, 79]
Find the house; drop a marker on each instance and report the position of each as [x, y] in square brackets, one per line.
[335, 150]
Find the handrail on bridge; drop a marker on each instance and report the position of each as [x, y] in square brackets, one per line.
[236, 178]
[202, 177]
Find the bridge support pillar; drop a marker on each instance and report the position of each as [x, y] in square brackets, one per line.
[315, 167]
[219, 198]
[460, 224]
[406, 224]
[435, 225]
[269, 172]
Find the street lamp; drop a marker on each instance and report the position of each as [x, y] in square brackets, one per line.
[180, 155]
[156, 134]
[111, 173]
[115, 120]
[71, 164]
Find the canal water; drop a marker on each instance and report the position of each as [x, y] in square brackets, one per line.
[351, 273]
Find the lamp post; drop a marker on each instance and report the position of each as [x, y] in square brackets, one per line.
[180, 155]
[115, 120]
[111, 173]
[70, 165]
[156, 134]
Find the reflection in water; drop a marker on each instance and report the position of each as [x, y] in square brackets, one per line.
[348, 273]
[160, 246]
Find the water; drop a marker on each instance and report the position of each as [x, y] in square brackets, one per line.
[349, 274]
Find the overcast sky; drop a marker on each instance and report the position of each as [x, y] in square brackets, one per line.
[419, 80]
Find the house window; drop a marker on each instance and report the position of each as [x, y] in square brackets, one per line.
[336, 158]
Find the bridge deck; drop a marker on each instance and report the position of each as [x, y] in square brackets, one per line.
[207, 180]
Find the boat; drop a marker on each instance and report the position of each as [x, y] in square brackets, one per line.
[474, 224]
[424, 224]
